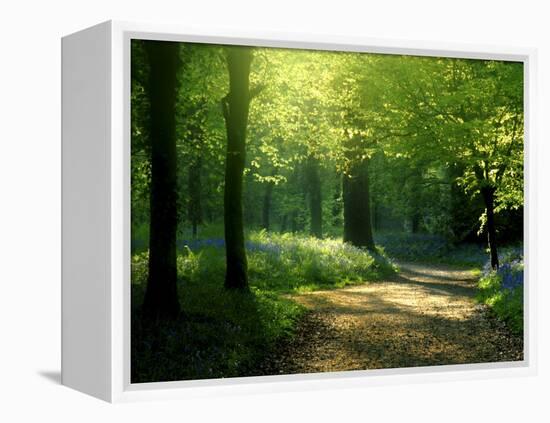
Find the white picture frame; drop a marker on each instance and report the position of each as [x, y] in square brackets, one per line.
[96, 213]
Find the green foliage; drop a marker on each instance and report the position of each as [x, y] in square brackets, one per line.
[507, 304]
[453, 123]
[221, 334]
[287, 262]
[433, 131]
[225, 333]
[502, 289]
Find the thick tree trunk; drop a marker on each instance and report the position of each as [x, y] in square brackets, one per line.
[161, 297]
[235, 107]
[315, 199]
[357, 219]
[194, 187]
[488, 194]
[266, 207]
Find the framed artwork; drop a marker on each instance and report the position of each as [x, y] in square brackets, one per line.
[248, 212]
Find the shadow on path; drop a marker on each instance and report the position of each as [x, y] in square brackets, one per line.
[426, 315]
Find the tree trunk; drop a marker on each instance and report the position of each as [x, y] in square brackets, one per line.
[161, 297]
[194, 186]
[266, 209]
[415, 222]
[357, 220]
[337, 205]
[294, 221]
[235, 107]
[488, 194]
[283, 222]
[313, 180]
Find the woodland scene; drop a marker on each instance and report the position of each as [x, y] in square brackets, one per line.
[301, 211]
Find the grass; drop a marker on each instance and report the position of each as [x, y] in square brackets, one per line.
[502, 290]
[220, 334]
[224, 333]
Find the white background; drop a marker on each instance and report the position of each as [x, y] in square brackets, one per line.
[30, 34]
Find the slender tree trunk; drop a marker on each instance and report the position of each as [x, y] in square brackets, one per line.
[414, 202]
[294, 221]
[266, 208]
[488, 194]
[415, 222]
[337, 205]
[315, 199]
[235, 107]
[283, 222]
[194, 187]
[161, 297]
[357, 219]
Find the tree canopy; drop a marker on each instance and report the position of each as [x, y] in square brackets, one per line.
[335, 144]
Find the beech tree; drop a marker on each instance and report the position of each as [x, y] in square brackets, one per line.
[161, 297]
[464, 115]
[235, 106]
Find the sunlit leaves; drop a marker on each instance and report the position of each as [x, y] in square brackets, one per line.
[427, 121]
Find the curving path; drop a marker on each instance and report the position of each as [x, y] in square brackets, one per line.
[427, 315]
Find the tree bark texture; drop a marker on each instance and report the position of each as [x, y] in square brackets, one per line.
[357, 215]
[235, 108]
[488, 194]
[161, 297]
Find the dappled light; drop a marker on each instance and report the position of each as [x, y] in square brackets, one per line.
[299, 211]
[408, 321]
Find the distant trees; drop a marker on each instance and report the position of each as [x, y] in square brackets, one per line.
[332, 143]
[195, 195]
[196, 135]
[313, 187]
[266, 206]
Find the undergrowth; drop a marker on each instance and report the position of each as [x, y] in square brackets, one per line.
[225, 333]
[431, 248]
[502, 289]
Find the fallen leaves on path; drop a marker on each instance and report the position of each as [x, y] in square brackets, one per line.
[425, 316]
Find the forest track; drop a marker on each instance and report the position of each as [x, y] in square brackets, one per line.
[426, 315]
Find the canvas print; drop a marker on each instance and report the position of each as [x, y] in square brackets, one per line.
[305, 211]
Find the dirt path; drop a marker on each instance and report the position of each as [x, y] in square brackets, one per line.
[427, 315]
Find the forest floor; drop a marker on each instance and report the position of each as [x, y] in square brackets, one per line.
[426, 315]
